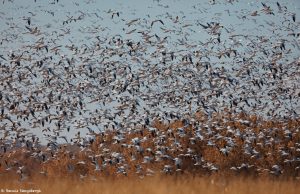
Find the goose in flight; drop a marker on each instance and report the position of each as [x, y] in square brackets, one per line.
[153, 22]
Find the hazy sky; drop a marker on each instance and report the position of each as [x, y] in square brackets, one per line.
[13, 13]
[94, 19]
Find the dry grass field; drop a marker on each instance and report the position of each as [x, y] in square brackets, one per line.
[114, 162]
[157, 185]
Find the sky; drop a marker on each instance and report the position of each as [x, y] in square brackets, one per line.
[94, 19]
[14, 12]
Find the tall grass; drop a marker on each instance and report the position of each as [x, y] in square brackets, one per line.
[159, 185]
[71, 169]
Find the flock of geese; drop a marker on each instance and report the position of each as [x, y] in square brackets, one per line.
[71, 79]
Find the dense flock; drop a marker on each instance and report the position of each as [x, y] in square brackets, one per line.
[90, 91]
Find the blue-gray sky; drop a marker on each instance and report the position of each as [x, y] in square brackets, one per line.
[181, 27]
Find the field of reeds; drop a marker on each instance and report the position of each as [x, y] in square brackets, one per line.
[155, 185]
[114, 163]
